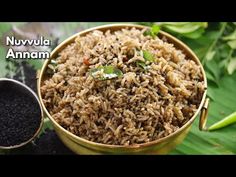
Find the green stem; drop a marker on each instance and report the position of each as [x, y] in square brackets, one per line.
[224, 122]
[222, 29]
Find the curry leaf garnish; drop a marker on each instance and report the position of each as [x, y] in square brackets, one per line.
[141, 64]
[105, 72]
[153, 31]
[148, 57]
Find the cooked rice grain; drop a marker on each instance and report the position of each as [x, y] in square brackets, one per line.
[139, 107]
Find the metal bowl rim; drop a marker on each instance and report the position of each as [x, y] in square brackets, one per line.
[107, 27]
[18, 83]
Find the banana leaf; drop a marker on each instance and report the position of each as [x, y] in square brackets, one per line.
[222, 141]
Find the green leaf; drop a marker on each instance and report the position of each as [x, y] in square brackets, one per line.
[200, 46]
[153, 31]
[172, 23]
[221, 141]
[211, 77]
[210, 55]
[141, 64]
[145, 23]
[231, 66]
[231, 36]
[192, 30]
[195, 34]
[148, 56]
[202, 24]
[232, 44]
[224, 50]
[213, 67]
[211, 93]
[105, 72]
[46, 125]
[184, 28]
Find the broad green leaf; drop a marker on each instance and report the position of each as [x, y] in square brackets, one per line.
[231, 66]
[195, 34]
[202, 24]
[204, 41]
[223, 50]
[211, 77]
[221, 141]
[172, 23]
[211, 93]
[232, 44]
[213, 67]
[145, 23]
[231, 36]
[210, 55]
[182, 29]
[186, 28]
[200, 52]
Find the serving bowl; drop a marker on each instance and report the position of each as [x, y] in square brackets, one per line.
[20, 88]
[161, 146]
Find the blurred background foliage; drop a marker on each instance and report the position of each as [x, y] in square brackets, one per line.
[214, 44]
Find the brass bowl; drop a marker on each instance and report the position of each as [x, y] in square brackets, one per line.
[160, 146]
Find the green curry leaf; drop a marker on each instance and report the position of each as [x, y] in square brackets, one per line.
[231, 66]
[148, 56]
[153, 31]
[105, 72]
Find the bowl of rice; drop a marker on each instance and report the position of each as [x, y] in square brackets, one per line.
[120, 89]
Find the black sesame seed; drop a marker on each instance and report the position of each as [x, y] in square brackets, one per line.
[20, 116]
